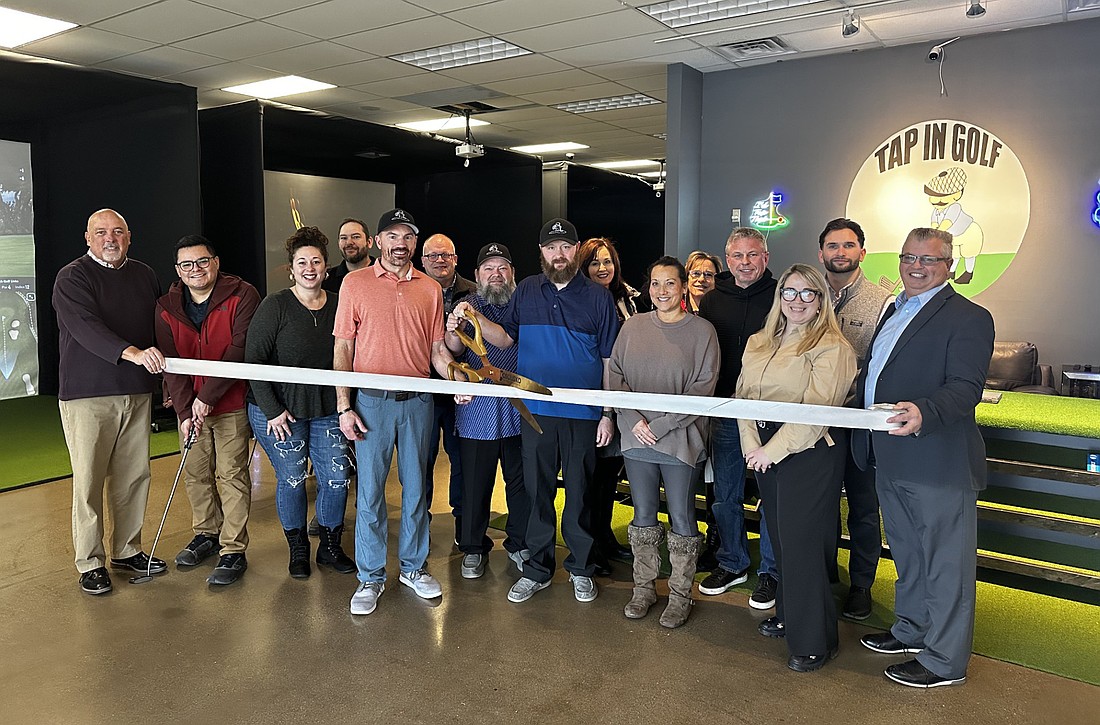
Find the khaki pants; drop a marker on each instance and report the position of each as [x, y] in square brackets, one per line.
[217, 482]
[108, 440]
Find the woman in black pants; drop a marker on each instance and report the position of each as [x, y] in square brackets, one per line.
[799, 357]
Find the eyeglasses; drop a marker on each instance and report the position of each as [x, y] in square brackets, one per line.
[926, 259]
[436, 256]
[806, 295]
[187, 265]
[700, 274]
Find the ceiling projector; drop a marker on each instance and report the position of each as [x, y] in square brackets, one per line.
[470, 151]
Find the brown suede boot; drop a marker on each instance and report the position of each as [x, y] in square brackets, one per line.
[683, 553]
[644, 542]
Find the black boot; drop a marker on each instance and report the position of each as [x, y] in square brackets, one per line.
[329, 552]
[708, 558]
[299, 552]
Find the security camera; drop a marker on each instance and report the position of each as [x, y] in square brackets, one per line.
[936, 53]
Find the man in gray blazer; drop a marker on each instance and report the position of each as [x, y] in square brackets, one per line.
[929, 358]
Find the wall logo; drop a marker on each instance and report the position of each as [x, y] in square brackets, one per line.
[948, 175]
[765, 214]
[1096, 211]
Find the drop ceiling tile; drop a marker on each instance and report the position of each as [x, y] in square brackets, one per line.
[597, 138]
[446, 6]
[224, 75]
[326, 97]
[397, 87]
[618, 116]
[579, 93]
[518, 115]
[305, 58]
[367, 71]
[258, 9]
[508, 102]
[624, 70]
[509, 15]
[162, 61]
[650, 85]
[612, 51]
[85, 46]
[334, 18]
[171, 20]
[81, 12]
[507, 69]
[214, 98]
[547, 82]
[696, 57]
[426, 32]
[245, 41]
[621, 24]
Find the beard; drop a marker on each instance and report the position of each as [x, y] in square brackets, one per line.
[357, 257]
[559, 276]
[497, 295]
[848, 266]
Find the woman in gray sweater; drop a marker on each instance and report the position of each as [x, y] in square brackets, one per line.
[664, 351]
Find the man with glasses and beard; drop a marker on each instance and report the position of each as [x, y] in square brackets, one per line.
[355, 242]
[565, 325]
[489, 429]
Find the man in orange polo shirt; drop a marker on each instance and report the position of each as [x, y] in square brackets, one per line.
[390, 321]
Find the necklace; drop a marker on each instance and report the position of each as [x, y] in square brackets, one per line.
[312, 313]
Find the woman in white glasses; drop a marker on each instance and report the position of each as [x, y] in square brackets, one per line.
[800, 356]
[702, 268]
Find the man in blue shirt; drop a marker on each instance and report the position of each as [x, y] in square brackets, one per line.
[565, 325]
[928, 359]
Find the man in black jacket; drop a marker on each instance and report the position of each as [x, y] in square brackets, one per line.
[737, 306]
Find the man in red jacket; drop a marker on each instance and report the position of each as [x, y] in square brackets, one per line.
[205, 316]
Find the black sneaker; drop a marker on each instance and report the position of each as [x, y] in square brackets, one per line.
[858, 604]
[229, 569]
[140, 562]
[763, 597]
[96, 581]
[201, 548]
[722, 580]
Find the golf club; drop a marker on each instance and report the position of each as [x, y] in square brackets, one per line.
[148, 575]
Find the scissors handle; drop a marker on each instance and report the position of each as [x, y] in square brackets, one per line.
[471, 375]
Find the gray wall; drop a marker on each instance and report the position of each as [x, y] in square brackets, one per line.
[808, 125]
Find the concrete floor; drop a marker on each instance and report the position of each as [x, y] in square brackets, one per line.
[271, 649]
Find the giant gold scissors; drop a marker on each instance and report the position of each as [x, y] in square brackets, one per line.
[488, 371]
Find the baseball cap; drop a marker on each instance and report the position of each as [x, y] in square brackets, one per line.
[493, 250]
[558, 229]
[394, 217]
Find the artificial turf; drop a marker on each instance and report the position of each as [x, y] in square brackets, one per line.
[1042, 413]
[32, 444]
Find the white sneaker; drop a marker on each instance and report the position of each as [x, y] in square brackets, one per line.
[366, 596]
[524, 589]
[421, 582]
[518, 557]
[473, 566]
[584, 589]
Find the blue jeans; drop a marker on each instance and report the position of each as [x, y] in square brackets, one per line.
[406, 424]
[729, 502]
[314, 439]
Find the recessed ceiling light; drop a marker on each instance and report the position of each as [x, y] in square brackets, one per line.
[469, 52]
[546, 148]
[607, 104]
[679, 13]
[19, 28]
[631, 164]
[278, 87]
[437, 125]
[652, 174]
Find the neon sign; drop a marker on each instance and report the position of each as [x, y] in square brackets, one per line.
[765, 214]
[1096, 211]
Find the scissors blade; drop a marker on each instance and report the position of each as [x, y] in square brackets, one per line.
[526, 414]
[518, 381]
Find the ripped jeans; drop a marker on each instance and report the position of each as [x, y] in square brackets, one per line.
[316, 439]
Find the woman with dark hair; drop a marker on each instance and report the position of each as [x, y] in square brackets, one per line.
[702, 268]
[800, 356]
[598, 260]
[297, 423]
[664, 351]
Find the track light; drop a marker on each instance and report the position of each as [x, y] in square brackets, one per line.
[850, 25]
[975, 10]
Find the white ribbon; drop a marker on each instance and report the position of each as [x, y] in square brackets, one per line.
[872, 419]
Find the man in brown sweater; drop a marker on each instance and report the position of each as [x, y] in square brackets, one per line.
[104, 303]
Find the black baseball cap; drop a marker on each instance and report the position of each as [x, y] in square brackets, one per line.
[394, 217]
[558, 229]
[493, 250]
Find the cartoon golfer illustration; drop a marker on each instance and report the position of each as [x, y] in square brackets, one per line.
[944, 191]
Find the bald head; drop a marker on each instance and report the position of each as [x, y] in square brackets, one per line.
[439, 259]
[108, 237]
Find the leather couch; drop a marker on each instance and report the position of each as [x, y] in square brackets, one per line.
[1015, 366]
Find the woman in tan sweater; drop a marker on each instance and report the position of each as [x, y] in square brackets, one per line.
[800, 356]
[664, 351]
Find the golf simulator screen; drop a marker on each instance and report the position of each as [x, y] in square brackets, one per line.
[18, 314]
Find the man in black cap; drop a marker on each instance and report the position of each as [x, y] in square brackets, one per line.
[565, 325]
[489, 429]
